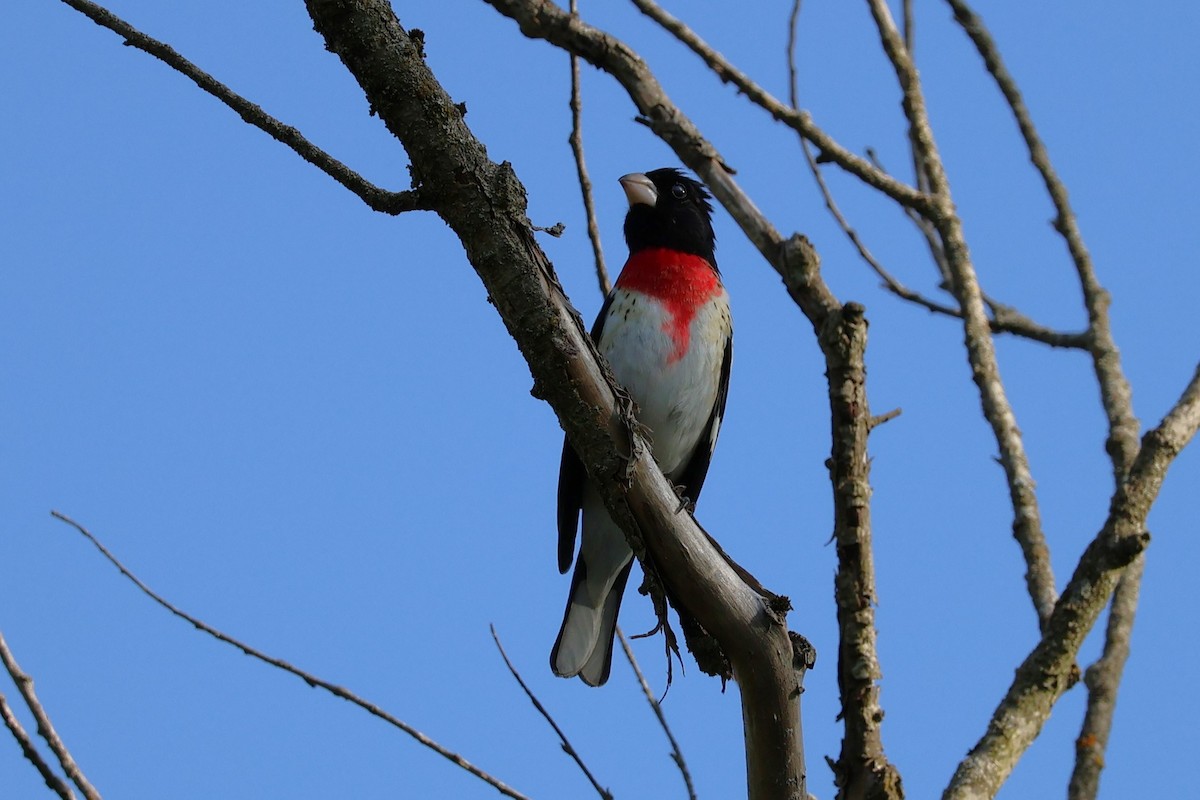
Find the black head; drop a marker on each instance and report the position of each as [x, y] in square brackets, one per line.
[669, 209]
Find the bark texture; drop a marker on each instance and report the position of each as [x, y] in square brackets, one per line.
[484, 203]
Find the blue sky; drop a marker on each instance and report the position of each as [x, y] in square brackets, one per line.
[301, 421]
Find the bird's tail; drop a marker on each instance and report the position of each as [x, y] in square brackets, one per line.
[585, 641]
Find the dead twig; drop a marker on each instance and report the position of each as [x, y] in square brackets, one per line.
[309, 678]
[656, 706]
[378, 199]
[585, 182]
[564, 742]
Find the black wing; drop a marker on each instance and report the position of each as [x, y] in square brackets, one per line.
[692, 477]
[572, 474]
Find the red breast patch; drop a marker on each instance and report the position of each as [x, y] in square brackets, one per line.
[680, 281]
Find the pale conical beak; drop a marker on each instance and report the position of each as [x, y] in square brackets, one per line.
[639, 189]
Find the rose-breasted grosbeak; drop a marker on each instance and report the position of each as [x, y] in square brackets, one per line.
[666, 330]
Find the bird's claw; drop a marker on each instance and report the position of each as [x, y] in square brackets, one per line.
[685, 502]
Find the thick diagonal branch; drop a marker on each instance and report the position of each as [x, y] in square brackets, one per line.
[485, 205]
[842, 335]
[1047, 672]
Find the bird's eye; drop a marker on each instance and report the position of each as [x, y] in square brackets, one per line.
[679, 191]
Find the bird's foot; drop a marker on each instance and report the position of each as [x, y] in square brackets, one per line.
[685, 502]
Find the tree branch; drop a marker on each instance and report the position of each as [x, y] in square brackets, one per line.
[1003, 320]
[564, 742]
[375, 197]
[800, 121]
[585, 182]
[278, 663]
[862, 770]
[45, 728]
[981, 353]
[1046, 672]
[485, 205]
[1116, 397]
[1115, 393]
[541, 19]
[55, 783]
[656, 707]
[1102, 680]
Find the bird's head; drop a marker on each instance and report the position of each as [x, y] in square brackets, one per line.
[669, 209]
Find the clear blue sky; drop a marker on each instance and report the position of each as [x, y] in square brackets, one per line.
[301, 420]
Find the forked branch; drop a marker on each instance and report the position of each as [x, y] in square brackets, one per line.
[1003, 318]
[1116, 397]
[1047, 672]
[45, 727]
[799, 120]
[53, 782]
[981, 352]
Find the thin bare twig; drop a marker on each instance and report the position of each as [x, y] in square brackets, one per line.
[378, 199]
[794, 97]
[1047, 672]
[922, 223]
[565, 743]
[1004, 319]
[585, 182]
[45, 728]
[800, 121]
[307, 677]
[676, 752]
[56, 784]
[814, 168]
[981, 352]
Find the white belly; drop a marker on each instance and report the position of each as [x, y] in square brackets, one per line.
[675, 392]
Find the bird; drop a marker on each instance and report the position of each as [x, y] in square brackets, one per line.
[666, 330]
